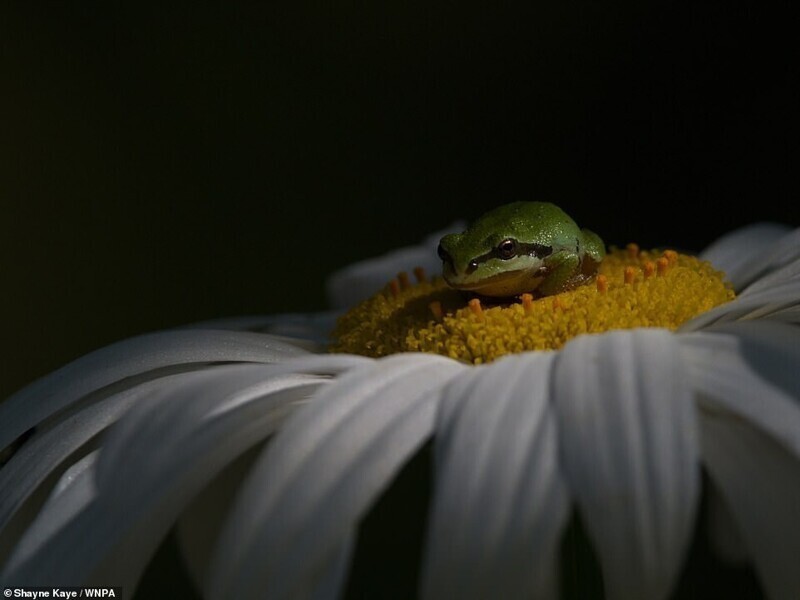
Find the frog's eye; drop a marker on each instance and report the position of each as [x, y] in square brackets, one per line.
[507, 249]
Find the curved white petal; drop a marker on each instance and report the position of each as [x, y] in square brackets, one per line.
[760, 481]
[361, 280]
[500, 502]
[74, 491]
[733, 252]
[45, 452]
[300, 327]
[303, 500]
[786, 273]
[156, 459]
[778, 302]
[125, 360]
[315, 327]
[751, 370]
[333, 578]
[630, 450]
[199, 527]
[748, 378]
[200, 523]
[784, 250]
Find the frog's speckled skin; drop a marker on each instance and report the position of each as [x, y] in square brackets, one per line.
[518, 248]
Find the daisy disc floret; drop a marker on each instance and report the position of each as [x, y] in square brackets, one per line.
[633, 289]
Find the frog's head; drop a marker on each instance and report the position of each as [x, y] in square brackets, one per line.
[502, 253]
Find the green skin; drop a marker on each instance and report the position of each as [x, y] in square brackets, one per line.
[521, 247]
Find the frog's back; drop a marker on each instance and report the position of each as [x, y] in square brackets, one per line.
[523, 217]
[536, 211]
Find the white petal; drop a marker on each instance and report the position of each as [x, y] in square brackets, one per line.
[74, 491]
[628, 439]
[732, 252]
[46, 451]
[200, 523]
[778, 302]
[332, 580]
[135, 357]
[316, 328]
[781, 252]
[788, 272]
[749, 384]
[751, 370]
[359, 281]
[303, 500]
[500, 503]
[789, 314]
[760, 481]
[165, 450]
[300, 327]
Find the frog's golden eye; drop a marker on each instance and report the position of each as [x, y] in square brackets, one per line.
[507, 249]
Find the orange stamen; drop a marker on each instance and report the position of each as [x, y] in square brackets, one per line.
[436, 309]
[475, 307]
[602, 284]
[419, 273]
[633, 250]
[671, 256]
[394, 287]
[663, 265]
[630, 275]
[404, 281]
[527, 302]
[649, 269]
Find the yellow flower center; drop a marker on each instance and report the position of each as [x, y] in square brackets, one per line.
[632, 289]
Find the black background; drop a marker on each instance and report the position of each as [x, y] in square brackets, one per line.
[163, 166]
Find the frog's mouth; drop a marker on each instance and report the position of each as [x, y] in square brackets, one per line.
[506, 284]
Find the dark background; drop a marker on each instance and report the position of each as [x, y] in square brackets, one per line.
[164, 166]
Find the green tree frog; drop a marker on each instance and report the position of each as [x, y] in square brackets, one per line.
[521, 247]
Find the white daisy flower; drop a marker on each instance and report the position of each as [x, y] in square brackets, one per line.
[270, 457]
